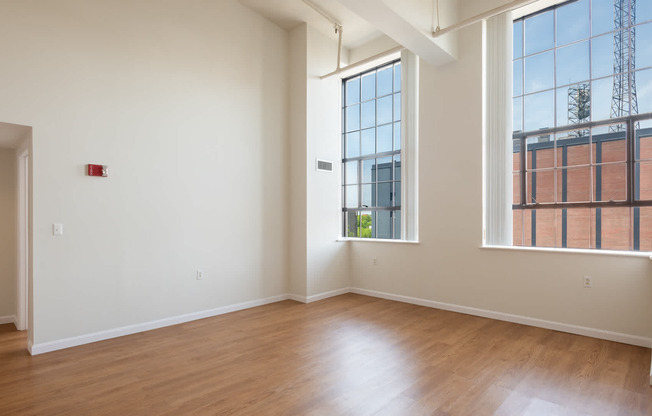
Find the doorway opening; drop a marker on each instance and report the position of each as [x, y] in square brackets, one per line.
[15, 276]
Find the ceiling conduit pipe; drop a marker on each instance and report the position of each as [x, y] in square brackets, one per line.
[491, 13]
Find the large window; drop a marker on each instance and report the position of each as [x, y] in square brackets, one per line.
[371, 153]
[582, 141]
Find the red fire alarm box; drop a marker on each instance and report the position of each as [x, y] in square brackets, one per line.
[98, 170]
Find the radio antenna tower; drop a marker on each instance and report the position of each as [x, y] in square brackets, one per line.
[624, 91]
[579, 107]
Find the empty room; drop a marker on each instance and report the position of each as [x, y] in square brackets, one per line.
[325, 207]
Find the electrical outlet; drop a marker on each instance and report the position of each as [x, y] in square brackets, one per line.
[588, 282]
[200, 274]
[374, 261]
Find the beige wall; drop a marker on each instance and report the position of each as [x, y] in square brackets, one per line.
[298, 164]
[318, 263]
[449, 265]
[187, 103]
[8, 231]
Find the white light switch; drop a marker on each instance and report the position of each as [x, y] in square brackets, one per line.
[57, 229]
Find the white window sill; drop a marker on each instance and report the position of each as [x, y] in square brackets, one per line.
[375, 240]
[641, 254]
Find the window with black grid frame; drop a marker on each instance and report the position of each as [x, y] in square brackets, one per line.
[371, 153]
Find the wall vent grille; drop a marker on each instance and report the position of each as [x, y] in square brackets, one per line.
[324, 165]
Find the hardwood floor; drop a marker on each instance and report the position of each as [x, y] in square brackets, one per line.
[348, 355]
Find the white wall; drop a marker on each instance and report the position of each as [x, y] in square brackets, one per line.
[187, 103]
[8, 262]
[298, 164]
[449, 265]
[318, 262]
[328, 261]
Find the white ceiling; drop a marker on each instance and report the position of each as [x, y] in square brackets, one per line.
[290, 13]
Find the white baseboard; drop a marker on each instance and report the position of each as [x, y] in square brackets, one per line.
[319, 296]
[330, 294]
[60, 344]
[524, 320]
[9, 319]
[298, 298]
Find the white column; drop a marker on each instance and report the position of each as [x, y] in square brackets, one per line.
[410, 145]
[498, 127]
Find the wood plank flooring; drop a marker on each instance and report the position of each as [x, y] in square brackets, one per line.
[348, 355]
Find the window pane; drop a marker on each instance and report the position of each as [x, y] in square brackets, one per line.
[397, 225]
[579, 228]
[573, 63]
[397, 77]
[518, 39]
[573, 22]
[517, 114]
[539, 33]
[384, 169]
[602, 91]
[365, 220]
[385, 85]
[351, 173]
[602, 56]
[544, 222]
[368, 170]
[385, 194]
[384, 224]
[516, 186]
[353, 91]
[368, 114]
[368, 140]
[397, 106]
[351, 196]
[644, 45]
[539, 72]
[397, 167]
[518, 77]
[645, 228]
[397, 136]
[574, 184]
[643, 189]
[602, 16]
[644, 140]
[574, 105]
[573, 150]
[384, 110]
[644, 91]
[349, 224]
[517, 227]
[516, 155]
[643, 10]
[539, 111]
[528, 219]
[610, 182]
[368, 86]
[613, 147]
[615, 224]
[540, 187]
[353, 118]
[397, 194]
[384, 138]
[540, 152]
[368, 195]
[609, 144]
[353, 144]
